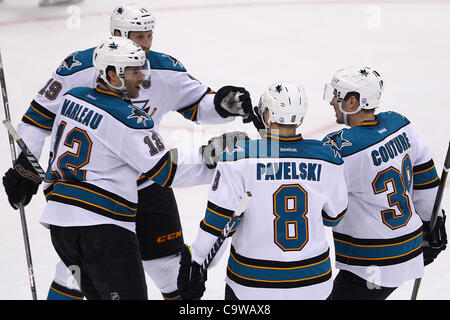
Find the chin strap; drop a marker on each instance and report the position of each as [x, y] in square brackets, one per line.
[122, 87]
[345, 113]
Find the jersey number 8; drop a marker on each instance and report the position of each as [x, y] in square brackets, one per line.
[290, 205]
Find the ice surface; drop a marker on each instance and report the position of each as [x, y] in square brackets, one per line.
[245, 43]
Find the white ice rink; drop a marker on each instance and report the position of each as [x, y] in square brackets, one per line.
[245, 43]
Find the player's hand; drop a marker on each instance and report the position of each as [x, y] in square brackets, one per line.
[191, 282]
[233, 101]
[216, 146]
[256, 117]
[21, 182]
[434, 241]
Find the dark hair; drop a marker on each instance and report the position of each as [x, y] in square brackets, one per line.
[352, 93]
[108, 68]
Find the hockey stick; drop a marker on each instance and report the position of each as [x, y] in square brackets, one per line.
[30, 157]
[237, 214]
[434, 214]
[21, 207]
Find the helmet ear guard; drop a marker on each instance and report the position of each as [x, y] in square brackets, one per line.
[286, 103]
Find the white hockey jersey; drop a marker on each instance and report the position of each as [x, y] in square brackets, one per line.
[392, 183]
[279, 249]
[100, 145]
[171, 88]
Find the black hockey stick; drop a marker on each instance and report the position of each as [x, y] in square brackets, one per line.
[21, 207]
[237, 214]
[40, 174]
[434, 214]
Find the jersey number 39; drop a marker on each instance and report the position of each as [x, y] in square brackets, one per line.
[398, 198]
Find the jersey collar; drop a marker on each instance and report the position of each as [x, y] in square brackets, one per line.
[369, 123]
[269, 135]
[107, 91]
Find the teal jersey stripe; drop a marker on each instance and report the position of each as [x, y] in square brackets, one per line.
[331, 222]
[166, 166]
[216, 219]
[425, 177]
[94, 199]
[190, 113]
[39, 116]
[264, 273]
[378, 251]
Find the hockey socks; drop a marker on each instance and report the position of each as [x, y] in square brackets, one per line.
[59, 292]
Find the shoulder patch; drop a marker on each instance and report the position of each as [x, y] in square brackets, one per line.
[140, 115]
[75, 62]
[164, 61]
[336, 142]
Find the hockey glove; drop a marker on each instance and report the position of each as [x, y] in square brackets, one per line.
[233, 101]
[191, 282]
[21, 182]
[434, 241]
[212, 152]
[256, 117]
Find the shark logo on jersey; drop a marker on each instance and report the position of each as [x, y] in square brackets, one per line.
[174, 61]
[70, 62]
[139, 114]
[336, 142]
[113, 46]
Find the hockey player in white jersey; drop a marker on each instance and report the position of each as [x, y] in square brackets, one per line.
[171, 88]
[100, 145]
[392, 183]
[279, 249]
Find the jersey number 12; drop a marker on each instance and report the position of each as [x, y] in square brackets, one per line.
[70, 163]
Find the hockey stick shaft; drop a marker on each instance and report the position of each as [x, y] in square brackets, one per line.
[226, 230]
[434, 213]
[21, 207]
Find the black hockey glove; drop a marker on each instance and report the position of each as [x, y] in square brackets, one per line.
[216, 146]
[191, 282]
[434, 241]
[256, 117]
[21, 182]
[233, 101]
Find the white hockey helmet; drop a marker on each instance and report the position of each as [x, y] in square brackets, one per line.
[365, 81]
[286, 102]
[119, 52]
[131, 17]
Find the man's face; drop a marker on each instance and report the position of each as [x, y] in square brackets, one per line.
[338, 113]
[133, 81]
[142, 38]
